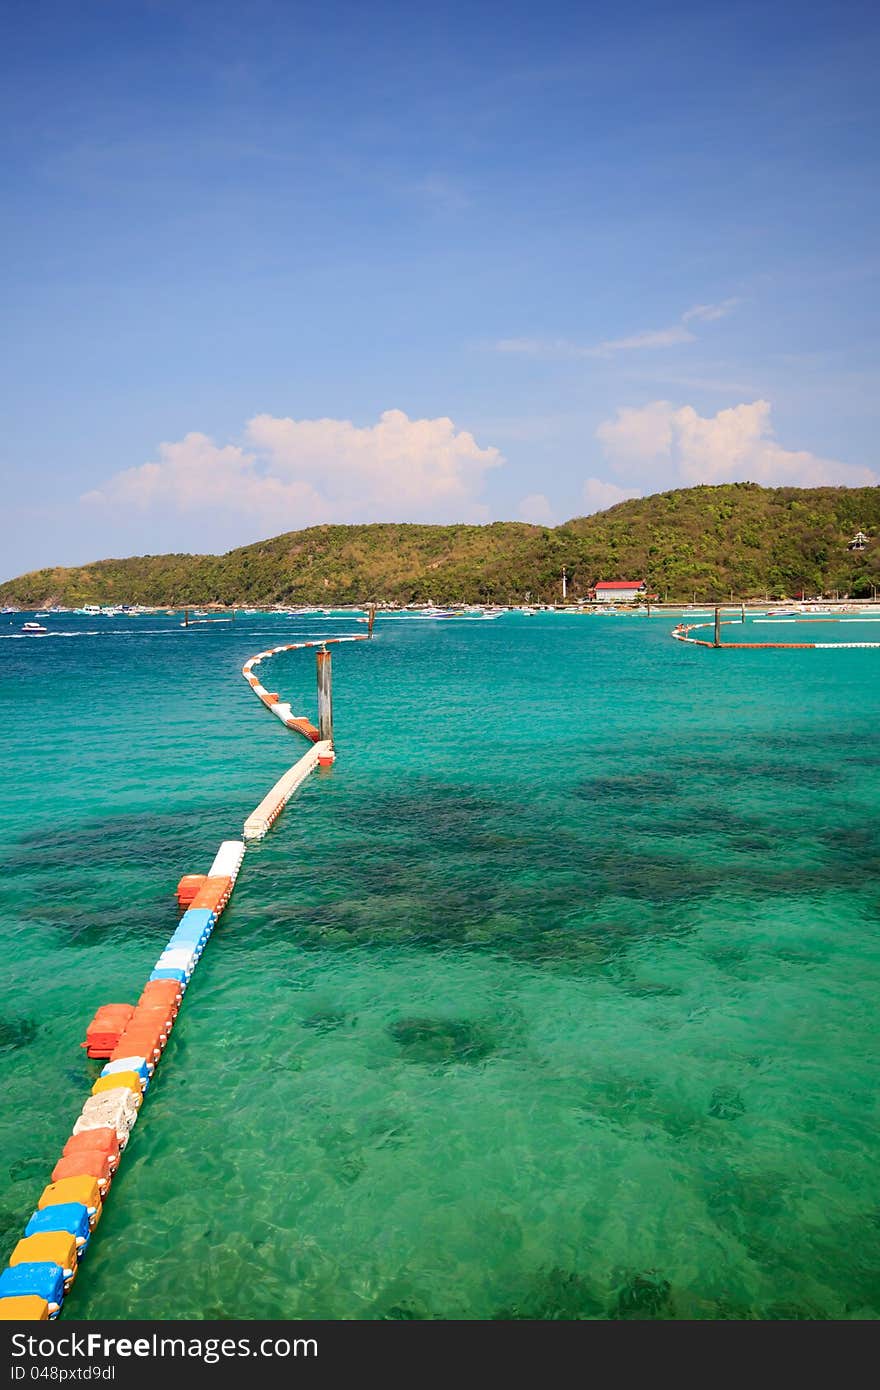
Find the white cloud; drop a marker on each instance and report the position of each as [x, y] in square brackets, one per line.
[709, 313]
[540, 347]
[652, 338]
[597, 494]
[635, 436]
[536, 509]
[303, 472]
[672, 336]
[661, 445]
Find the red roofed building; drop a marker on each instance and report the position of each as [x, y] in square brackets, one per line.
[619, 590]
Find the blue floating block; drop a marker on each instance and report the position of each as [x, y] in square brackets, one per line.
[177, 960]
[45, 1280]
[180, 941]
[143, 1070]
[192, 932]
[202, 917]
[67, 1216]
[180, 975]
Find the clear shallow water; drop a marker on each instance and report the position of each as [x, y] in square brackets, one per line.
[556, 997]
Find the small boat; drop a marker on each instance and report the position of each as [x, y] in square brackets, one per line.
[33, 629]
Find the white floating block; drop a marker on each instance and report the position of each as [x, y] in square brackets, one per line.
[116, 1109]
[260, 820]
[227, 860]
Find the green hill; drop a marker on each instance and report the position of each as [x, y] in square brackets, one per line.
[706, 540]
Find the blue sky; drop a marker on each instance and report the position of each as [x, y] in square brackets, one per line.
[269, 264]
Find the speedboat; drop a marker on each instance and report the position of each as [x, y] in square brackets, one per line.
[33, 629]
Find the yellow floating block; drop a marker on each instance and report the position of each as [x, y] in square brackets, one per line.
[24, 1307]
[130, 1079]
[85, 1190]
[47, 1247]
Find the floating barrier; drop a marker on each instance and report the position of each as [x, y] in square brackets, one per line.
[130, 1039]
[260, 821]
[683, 631]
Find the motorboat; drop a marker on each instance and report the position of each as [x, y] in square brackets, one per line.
[33, 629]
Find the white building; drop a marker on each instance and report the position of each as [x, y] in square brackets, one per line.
[619, 590]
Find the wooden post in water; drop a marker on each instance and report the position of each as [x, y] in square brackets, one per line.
[186, 617]
[743, 613]
[325, 695]
[717, 627]
[371, 618]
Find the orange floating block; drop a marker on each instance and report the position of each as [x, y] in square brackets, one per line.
[147, 1041]
[105, 1028]
[105, 1141]
[48, 1247]
[24, 1307]
[162, 994]
[213, 895]
[189, 885]
[152, 1015]
[90, 1163]
[85, 1190]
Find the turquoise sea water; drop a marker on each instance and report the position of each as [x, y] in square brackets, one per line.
[554, 998]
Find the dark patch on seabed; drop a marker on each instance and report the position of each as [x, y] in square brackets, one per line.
[328, 1020]
[440, 812]
[30, 1169]
[83, 927]
[12, 1223]
[701, 818]
[17, 1032]
[851, 840]
[726, 1103]
[554, 1295]
[742, 769]
[643, 1295]
[442, 1040]
[634, 788]
[113, 840]
[852, 737]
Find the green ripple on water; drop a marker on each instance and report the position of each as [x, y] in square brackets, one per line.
[555, 998]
